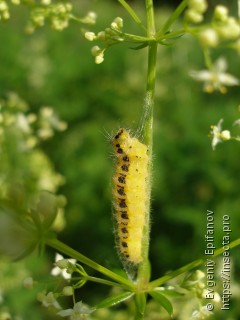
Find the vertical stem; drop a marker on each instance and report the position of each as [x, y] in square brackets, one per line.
[144, 268]
[143, 274]
[150, 18]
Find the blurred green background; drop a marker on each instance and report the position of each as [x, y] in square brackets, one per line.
[57, 69]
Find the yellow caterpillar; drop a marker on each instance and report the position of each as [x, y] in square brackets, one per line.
[130, 192]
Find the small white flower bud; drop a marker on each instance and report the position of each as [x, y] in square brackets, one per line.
[38, 20]
[90, 36]
[98, 53]
[101, 35]
[68, 7]
[193, 16]
[31, 142]
[3, 6]
[5, 316]
[46, 2]
[117, 23]
[28, 283]
[221, 13]
[67, 291]
[91, 17]
[62, 264]
[31, 118]
[229, 31]
[6, 15]
[99, 59]
[198, 5]
[59, 24]
[208, 38]
[237, 122]
[95, 51]
[16, 2]
[46, 112]
[225, 135]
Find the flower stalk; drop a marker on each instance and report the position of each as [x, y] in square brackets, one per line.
[63, 248]
[147, 130]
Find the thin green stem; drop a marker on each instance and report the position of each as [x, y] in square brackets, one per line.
[170, 35]
[207, 58]
[173, 17]
[189, 266]
[63, 248]
[139, 316]
[150, 18]
[147, 130]
[132, 13]
[132, 37]
[104, 281]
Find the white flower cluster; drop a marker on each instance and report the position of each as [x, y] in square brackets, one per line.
[4, 10]
[218, 135]
[65, 268]
[196, 283]
[29, 127]
[21, 132]
[58, 15]
[200, 314]
[108, 37]
[222, 26]
[196, 10]
[215, 79]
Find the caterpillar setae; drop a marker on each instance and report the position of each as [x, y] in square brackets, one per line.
[130, 194]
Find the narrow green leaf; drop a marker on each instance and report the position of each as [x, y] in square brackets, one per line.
[112, 301]
[141, 46]
[165, 303]
[140, 301]
[169, 292]
[63, 248]
[173, 17]
[189, 266]
[132, 13]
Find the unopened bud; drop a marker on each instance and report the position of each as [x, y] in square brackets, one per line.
[225, 135]
[221, 13]
[193, 16]
[67, 291]
[208, 38]
[90, 36]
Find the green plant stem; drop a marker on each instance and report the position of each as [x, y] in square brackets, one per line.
[147, 129]
[103, 281]
[132, 13]
[63, 248]
[143, 272]
[173, 17]
[207, 58]
[189, 266]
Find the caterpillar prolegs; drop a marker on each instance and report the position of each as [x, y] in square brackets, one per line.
[130, 194]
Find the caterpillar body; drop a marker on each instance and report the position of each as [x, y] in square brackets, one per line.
[130, 194]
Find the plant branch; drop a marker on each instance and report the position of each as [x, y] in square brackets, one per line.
[63, 248]
[147, 131]
[173, 17]
[132, 13]
[189, 266]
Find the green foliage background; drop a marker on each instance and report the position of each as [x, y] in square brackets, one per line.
[51, 68]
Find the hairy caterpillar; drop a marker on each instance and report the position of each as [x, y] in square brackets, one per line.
[130, 192]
